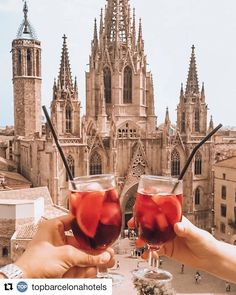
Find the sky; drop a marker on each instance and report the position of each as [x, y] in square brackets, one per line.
[170, 28]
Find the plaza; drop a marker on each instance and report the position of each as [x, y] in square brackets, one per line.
[182, 283]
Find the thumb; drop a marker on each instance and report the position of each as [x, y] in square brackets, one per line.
[75, 257]
[185, 229]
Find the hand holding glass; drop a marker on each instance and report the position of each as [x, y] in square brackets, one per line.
[157, 208]
[94, 202]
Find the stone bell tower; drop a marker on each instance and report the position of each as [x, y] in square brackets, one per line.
[26, 61]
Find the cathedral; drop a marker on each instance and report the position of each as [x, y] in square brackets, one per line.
[119, 132]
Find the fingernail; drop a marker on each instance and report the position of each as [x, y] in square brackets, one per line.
[105, 257]
[180, 227]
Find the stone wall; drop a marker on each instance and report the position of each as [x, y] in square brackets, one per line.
[7, 229]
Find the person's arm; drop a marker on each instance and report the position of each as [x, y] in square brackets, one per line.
[225, 264]
[199, 249]
[51, 255]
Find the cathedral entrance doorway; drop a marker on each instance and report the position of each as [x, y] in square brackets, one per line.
[128, 204]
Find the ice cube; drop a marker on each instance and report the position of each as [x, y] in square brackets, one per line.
[93, 187]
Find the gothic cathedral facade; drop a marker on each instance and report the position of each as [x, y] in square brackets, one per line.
[119, 131]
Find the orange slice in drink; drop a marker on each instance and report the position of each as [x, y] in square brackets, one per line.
[161, 221]
[147, 221]
[111, 214]
[170, 206]
[74, 200]
[89, 212]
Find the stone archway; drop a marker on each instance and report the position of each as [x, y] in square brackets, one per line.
[128, 204]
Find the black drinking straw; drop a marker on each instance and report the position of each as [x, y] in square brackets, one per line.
[57, 143]
[193, 153]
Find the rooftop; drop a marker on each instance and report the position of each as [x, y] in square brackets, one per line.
[14, 202]
[31, 194]
[228, 163]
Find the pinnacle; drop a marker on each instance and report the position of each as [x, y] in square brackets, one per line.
[192, 86]
[65, 71]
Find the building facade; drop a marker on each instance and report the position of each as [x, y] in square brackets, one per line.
[119, 132]
[21, 212]
[225, 200]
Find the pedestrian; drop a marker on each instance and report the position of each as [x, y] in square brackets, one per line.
[197, 277]
[118, 264]
[138, 264]
[227, 286]
[182, 269]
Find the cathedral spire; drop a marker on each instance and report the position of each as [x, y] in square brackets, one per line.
[75, 84]
[101, 23]
[192, 81]
[65, 71]
[140, 36]
[203, 92]
[211, 125]
[181, 91]
[95, 34]
[134, 29]
[95, 38]
[117, 21]
[167, 117]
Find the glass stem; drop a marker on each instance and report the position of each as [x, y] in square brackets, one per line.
[102, 272]
[153, 262]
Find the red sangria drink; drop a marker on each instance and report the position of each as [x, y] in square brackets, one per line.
[94, 203]
[157, 208]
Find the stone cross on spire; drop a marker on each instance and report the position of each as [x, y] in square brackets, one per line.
[192, 86]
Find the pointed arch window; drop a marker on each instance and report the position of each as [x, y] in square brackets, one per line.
[127, 91]
[19, 63]
[37, 63]
[68, 119]
[197, 120]
[95, 166]
[183, 122]
[197, 197]
[175, 163]
[29, 63]
[198, 164]
[107, 84]
[4, 252]
[71, 164]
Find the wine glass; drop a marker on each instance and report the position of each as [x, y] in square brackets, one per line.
[157, 208]
[94, 203]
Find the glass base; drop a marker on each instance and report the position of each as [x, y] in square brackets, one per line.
[117, 278]
[153, 281]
